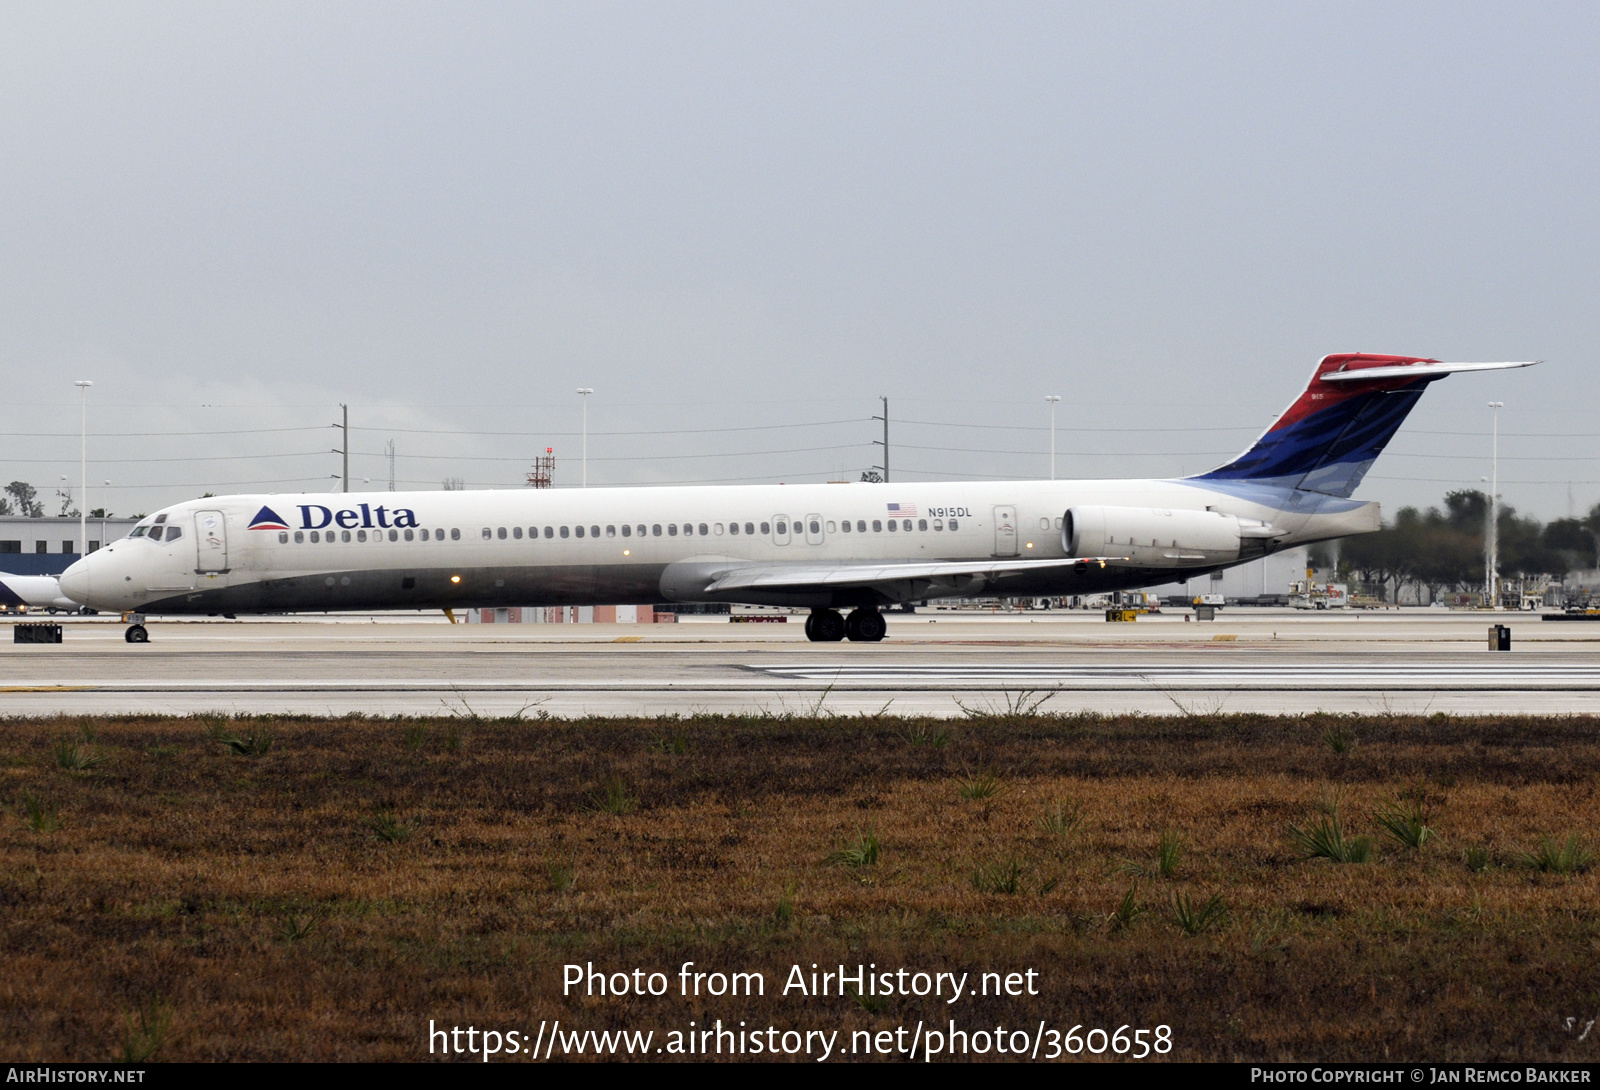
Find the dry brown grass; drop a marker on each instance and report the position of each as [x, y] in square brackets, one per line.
[259, 904]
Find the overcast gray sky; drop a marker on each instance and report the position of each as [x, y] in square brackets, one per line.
[762, 217]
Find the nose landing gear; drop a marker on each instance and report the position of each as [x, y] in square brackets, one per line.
[136, 632]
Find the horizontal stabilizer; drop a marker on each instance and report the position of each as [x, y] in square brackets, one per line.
[846, 575]
[1418, 370]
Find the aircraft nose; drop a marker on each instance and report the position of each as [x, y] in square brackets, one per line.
[74, 582]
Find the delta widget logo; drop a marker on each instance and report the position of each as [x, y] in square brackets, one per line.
[268, 519]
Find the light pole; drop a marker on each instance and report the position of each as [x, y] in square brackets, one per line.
[1052, 398]
[83, 384]
[584, 392]
[1492, 533]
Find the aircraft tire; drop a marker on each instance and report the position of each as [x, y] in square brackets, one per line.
[137, 634]
[826, 626]
[811, 628]
[865, 626]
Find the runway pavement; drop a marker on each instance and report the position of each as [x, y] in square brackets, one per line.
[940, 663]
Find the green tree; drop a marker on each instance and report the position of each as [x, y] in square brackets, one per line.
[26, 498]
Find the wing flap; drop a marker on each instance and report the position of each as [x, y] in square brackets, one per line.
[836, 575]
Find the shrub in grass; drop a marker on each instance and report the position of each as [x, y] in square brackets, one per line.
[1478, 859]
[1001, 876]
[74, 757]
[1168, 852]
[1128, 910]
[145, 1029]
[255, 744]
[40, 813]
[389, 828]
[922, 734]
[1062, 818]
[783, 915]
[1402, 821]
[416, 736]
[614, 797]
[981, 785]
[677, 744]
[1338, 739]
[1326, 839]
[561, 874]
[1552, 858]
[1196, 918]
[295, 924]
[861, 852]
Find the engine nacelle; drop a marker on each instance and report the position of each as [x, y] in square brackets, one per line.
[1153, 537]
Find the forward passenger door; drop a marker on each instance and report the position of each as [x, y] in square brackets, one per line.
[1005, 531]
[210, 541]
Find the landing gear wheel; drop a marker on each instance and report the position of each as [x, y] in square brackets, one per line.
[865, 626]
[825, 626]
[136, 634]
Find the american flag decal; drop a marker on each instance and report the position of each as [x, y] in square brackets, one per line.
[903, 509]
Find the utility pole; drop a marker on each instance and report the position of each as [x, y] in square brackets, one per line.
[389, 447]
[583, 393]
[1492, 532]
[885, 441]
[346, 450]
[83, 384]
[1052, 398]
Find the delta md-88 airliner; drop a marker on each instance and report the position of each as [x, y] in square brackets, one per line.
[829, 548]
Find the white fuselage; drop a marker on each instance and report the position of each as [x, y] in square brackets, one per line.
[616, 545]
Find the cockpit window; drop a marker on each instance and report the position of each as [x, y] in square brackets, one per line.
[174, 533]
[139, 531]
[155, 534]
[161, 518]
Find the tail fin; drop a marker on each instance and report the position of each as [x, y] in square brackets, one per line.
[1333, 432]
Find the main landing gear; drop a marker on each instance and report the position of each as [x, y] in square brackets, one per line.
[862, 626]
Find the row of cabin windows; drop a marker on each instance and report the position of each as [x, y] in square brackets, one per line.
[315, 536]
[671, 529]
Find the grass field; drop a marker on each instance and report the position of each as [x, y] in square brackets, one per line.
[281, 888]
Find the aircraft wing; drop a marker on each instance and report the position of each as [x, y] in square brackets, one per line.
[845, 575]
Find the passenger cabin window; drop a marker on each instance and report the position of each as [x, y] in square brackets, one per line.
[500, 533]
[845, 526]
[549, 531]
[563, 531]
[578, 530]
[861, 526]
[594, 531]
[655, 530]
[783, 528]
[750, 528]
[627, 531]
[299, 536]
[815, 527]
[487, 533]
[688, 529]
[408, 534]
[283, 537]
[315, 537]
[455, 533]
[717, 528]
[893, 526]
[344, 535]
[672, 529]
[611, 531]
[702, 529]
[938, 524]
[361, 535]
[877, 527]
[641, 530]
[733, 528]
[952, 524]
[516, 532]
[766, 528]
[394, 535]
[922, 524]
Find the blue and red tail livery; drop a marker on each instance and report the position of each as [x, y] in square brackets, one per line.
[1330, 436]
[268, 519]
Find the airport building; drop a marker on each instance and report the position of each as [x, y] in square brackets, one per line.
[47, 545]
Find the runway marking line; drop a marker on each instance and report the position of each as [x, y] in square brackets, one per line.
[46, 688]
